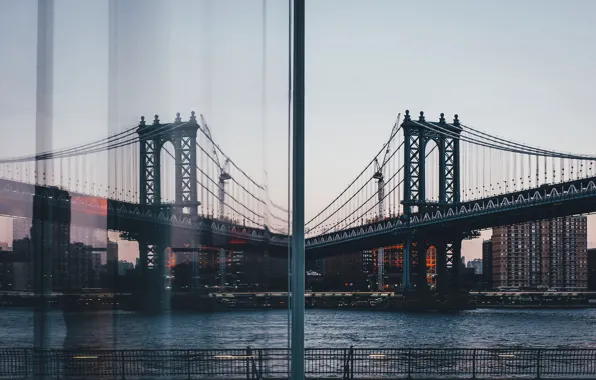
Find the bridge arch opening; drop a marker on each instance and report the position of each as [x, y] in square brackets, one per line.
[167, 180]
[432, 173]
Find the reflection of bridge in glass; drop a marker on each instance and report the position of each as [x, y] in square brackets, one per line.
[483, 181]
[502, 182]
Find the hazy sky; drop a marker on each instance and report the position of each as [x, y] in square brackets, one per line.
[520, 69]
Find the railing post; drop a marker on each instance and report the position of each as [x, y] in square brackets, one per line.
[247, 362]
[123, 364]
[345, 375]
[351, 357]
[409, 364]
[474, 364]
[538, 363]
[27, 352]
[260, 364]
[59, 360]
[188, 363]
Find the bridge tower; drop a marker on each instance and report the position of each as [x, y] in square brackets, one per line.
[417, 133]
[152, 244]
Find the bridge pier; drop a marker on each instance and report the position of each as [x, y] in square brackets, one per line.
[153, 295]
[453, 253]
[406, 282]
[448, 264]
[420, 251]
[222, 267]
[414, 257]
[442, 276]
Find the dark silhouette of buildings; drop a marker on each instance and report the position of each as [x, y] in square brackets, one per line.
[487, 264]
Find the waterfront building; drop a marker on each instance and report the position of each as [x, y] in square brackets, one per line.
[475, 264]
[14, 271]
[543, 254]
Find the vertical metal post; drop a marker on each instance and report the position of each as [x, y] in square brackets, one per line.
[474, 364]
[42, 213]
[248, 353]
[45, 86]
[456, 164]
[407, 166]
[406, 263]
[297, 336]
[538, 364]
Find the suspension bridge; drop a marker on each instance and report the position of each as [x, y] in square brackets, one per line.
[171, 185]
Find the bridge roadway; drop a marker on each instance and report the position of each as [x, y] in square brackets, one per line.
[546, 201]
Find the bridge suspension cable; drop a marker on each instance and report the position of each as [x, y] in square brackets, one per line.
[94, 147]
[229, 195]
[395, 189]
[364, 204]
[355, 194]
[528, 147]
[370, 164]
[50, 154]
[235, 181]
[517, 168]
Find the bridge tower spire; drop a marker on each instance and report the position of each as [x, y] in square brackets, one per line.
[417, 133]
[152, 244]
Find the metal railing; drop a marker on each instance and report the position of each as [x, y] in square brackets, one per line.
[250, 363]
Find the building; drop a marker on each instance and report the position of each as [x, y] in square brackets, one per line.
[21, 228]
[369, 262]
[22, 275]
[96, 268]
[124, 266]
[15, 272]
[79, 272]
[94, 237]
[110, 276]
[344, 272]
[362, 269]
[54, 252]
[487, 264]
[58, 248]
[475, 264]
[541, 254]
[592, 269]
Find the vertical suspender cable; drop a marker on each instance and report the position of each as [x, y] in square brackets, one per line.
[537, 171]
[289, 174]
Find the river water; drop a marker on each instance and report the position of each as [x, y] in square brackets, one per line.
[479, 328]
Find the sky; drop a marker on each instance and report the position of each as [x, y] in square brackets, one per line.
[521, 70]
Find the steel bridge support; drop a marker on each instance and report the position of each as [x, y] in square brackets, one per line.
[223, 259]
[419, 251]
[152, 244]
[416, 136]
[448, 278]
[406, 281]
